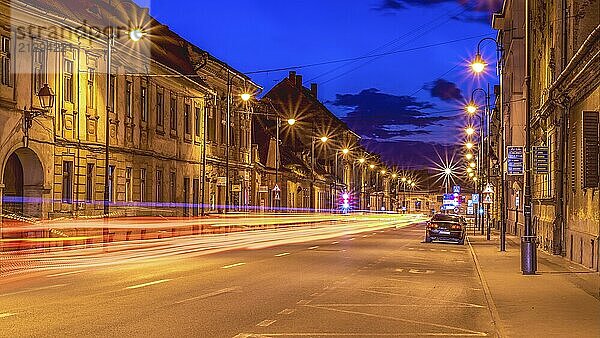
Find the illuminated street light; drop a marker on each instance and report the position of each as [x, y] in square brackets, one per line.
[324, 139]
[136, 34]
[345, 151]
[478, 64]
[471, 174]
[412, 184]
[469, 169]
[472, 165]
[470, 131]
[475, 178]
[448, 171]
[403, 179]
[394, 176]
[361, 160]
[245, 97]
[471, 108]
[382, 171]
[372, 166]
[469, 156]
[291, 122]
[469, 145]
[409, 181]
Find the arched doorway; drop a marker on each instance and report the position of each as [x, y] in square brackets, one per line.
[23, 184]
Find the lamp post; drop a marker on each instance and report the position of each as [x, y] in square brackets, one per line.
[314, 140]
[135, 35]
[478, 66]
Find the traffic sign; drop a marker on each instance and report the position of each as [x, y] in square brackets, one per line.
[514, 160]
[276, 188]
[475, 198]
[541, 160]
[456, 189]
[277, 197]
[487, 199]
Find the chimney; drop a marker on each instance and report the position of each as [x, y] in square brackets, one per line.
[292, 77]
[313, 90]
[299, 81]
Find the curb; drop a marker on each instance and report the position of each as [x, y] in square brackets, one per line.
[488, 295]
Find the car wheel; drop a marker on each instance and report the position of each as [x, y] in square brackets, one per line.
[427, 239]
[461, 241]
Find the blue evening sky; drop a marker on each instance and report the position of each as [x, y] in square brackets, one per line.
[254, 35]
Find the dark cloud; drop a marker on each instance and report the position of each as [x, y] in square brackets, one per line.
[378, 115]
[478, 11]
[444, 90]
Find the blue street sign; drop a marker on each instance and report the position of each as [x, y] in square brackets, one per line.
[456, 189]
[475, 198]
[514, 160]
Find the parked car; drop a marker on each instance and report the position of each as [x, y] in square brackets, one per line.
[446, 227]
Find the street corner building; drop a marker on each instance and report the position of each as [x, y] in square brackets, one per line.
[565, 104]
[127, 88]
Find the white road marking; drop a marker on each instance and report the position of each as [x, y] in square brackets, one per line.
[232, 265]
[7, 314]
[365, 236]
[351, 239]
[266, 322]
[303, 302]
[420, 271]
[336, 242]
[455, 328]
[34, 289]
[147, 284]
[313, 247]
[346, 334]
[282, 254]
[417, 297]
[389, 305]
[207, 295]
[65, 273]
[286, 311]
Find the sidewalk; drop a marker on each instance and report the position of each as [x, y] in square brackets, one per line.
[561, 300]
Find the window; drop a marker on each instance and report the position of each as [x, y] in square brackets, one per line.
[128, 93]
[89, 183]
[112, 92]
[159, 183]
[173, 107]
[5, 59]
[160, 113]
[591, 174]
[68, 81]
[91, 92]
[111, 183]
[186, 117]
[211, 124]
[39, 68]
[67, 182]
[172, 186]
[195, 195]
[144, 102]
[197, 121]
[142, 184]
[128, 185]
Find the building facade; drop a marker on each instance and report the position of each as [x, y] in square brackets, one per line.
[161, 99]
[565, 103]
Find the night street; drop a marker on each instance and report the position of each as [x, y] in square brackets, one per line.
[376, 283]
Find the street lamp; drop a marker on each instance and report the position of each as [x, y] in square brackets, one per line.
[478, 64]
[470, 131]
[135, 35]
[469, 156]
[471, 108]
[245, 97]
[469, 145]
[323, 139]
[291, 122]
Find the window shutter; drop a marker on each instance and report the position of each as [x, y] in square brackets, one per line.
[591, 120]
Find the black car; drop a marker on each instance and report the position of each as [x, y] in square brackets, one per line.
[444, 227]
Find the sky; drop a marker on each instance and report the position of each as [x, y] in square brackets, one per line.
[411, 78]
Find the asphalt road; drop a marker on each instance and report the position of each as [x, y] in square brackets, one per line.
[373, 284]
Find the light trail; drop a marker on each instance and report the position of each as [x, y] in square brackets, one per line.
[99, 254]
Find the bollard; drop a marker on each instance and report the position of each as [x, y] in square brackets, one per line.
[528, 255]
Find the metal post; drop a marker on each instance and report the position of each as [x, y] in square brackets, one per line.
[110, 42]
[487, 156]
[202, 184]
[228, 136]
[502, 156]
[278, 122]
[312, 170]
[528, 249]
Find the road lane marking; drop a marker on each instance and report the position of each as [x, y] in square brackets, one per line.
[147, 284]
[336, 242]
[313, 247]
[387, 305]
[417, 297]
[351, 239]
[232, 265]
[286, 311]
[266, 322]
[7, 314]
[207, 295]
[282, 254]
[455, 328]
[352, 334]
[363, 236]
[34, 289]
[65, 273]
[303, 302]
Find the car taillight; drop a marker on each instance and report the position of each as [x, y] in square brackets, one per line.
[432, 225]
[456, 227]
